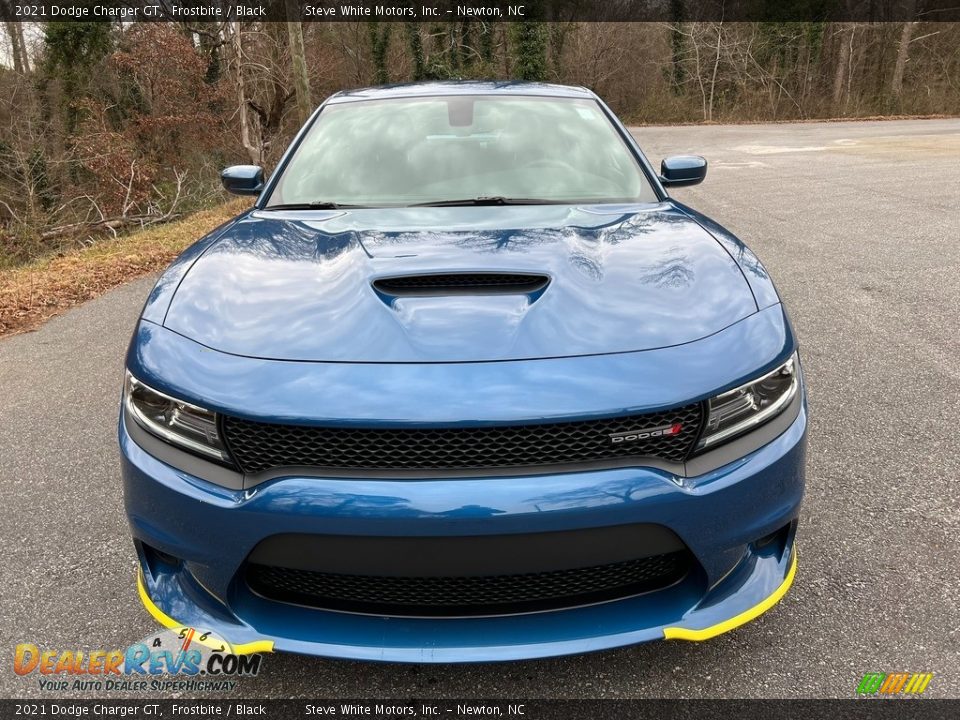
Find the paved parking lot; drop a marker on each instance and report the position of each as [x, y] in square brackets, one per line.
[859, 224]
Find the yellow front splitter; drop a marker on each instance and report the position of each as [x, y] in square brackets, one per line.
[669, 633]
[679, 633]
[257, 646]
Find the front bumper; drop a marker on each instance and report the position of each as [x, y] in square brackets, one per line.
[208, 531]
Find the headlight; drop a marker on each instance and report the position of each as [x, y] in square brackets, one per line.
[187, 426]
[737, 411]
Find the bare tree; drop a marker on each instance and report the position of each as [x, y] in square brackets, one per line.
[298, 62]
[705, 41]
[903, 52]
[254, 151]
[597, 54]
[845, 34]
[18, 48]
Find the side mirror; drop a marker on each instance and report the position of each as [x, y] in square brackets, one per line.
[680, 170]
[243, 179]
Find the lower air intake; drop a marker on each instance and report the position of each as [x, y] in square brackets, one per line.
[468, 595]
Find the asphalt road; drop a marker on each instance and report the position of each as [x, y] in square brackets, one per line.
[859, 224]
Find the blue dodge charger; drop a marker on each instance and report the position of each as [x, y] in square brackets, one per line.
[464, 384]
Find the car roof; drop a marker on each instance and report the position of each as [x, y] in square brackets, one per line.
[461, 87]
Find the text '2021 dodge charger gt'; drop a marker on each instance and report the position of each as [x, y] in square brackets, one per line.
[464, 384]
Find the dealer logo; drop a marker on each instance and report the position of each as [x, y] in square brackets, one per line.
[182, 659]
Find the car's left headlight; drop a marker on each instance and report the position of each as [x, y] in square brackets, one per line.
[188, 426]
[742, 409]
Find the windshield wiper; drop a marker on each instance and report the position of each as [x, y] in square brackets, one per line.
[319, 205]
[485, 200]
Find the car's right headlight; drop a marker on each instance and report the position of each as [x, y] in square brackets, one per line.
[188, 426]
[742, 409]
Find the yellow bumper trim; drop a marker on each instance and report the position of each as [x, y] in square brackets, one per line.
[257, 646]
[679, 633]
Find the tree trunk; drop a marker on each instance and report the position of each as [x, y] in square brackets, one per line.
[677, 45]
[507, 50]
[279, 95]
[840, 75]
[379, 45]
[298, 61]
[24, 55]
[558, 39]
[486, 42]
[716, 65]
[903, 55]
[415, 42]
[529, 43]
[245, 133]
[21, 63]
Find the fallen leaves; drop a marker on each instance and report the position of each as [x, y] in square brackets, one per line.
[32, 294]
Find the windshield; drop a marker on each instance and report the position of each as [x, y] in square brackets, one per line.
[427, 150]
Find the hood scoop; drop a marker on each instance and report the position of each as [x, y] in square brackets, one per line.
[472, 283]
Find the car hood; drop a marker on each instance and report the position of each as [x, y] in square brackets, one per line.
[299, 286]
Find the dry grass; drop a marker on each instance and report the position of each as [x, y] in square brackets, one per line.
[32, 294]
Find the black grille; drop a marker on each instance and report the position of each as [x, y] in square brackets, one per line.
[462, 282]
[261, 446]
[468, 595]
